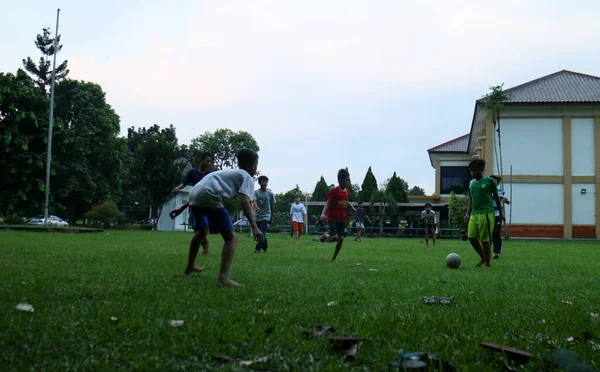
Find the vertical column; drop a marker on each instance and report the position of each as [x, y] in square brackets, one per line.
[597, 171]
[438, 177]
[489, 146]
[567, 184]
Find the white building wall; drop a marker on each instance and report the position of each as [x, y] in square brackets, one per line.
[584, 204]
[165, 223]
[535, 203]
[582, 144]
[532, 146]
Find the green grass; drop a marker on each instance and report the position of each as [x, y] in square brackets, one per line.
[77, 282]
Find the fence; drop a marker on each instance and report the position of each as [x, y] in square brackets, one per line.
[373, 231]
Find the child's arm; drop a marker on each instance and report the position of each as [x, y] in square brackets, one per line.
[351, 206]
[325, 207]
[177, 211]
[247, 208]
[468, 214]
[255, 205]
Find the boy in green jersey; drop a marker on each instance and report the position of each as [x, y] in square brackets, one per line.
[480, 212]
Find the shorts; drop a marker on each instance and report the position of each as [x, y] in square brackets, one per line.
[217, 219]
[360, 225]
[481, 226]
[430, 227]
[337, 228]
[297, 226]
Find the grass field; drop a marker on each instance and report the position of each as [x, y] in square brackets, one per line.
[77, 282]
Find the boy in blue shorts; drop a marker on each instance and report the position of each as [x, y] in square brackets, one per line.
[480, 212]
[210, 215]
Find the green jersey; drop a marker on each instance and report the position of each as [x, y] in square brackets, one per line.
[482, 195]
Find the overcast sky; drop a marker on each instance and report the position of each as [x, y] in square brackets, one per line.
[320, 84]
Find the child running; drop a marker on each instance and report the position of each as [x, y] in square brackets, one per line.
[361, 214]
[336, 210]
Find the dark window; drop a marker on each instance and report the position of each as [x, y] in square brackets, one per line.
[455, 179]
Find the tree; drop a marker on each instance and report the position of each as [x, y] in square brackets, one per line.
[353, 192]
[389, 207]
[493, 102]
[396, 187]
[23, 131]
[42, 73]
[321, 190]
[223, 144]
[87, 152]
[155, 165]
[369, 186]
[416, 191]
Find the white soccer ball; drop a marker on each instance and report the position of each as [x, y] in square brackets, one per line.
[453, 261]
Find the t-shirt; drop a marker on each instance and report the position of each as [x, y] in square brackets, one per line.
[338, 204]
[298, 211]
[360, 214]
[482, 195]
[219, 185]
[194, 176]
[265, 200]
[501, 194]
[430, 218]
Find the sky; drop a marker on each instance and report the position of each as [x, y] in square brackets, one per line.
[321, 85]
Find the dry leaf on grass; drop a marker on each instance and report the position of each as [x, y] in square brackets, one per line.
[332, 303]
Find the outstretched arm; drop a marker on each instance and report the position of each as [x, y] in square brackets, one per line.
[324, 213]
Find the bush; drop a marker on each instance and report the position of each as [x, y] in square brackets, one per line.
[274, 229]
[107, 213]
[457, 208]
[146, 227]
[13, 219]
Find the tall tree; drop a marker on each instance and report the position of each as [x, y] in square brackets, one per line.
[224, 145]
[155, 166]
[353, 192]
[23, 130]
[369, 186]
[321, 190]
[388, 207]
[397, 188]
[88, 156]
[42, 72]
[416, 191]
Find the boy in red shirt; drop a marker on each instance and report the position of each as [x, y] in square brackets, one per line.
[336, 210]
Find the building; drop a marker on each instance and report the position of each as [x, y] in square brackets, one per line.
[549, 144]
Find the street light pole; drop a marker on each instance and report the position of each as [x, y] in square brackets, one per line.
[50, 120]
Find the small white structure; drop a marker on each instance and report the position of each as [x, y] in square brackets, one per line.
[165, 223]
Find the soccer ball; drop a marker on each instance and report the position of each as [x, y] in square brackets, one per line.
[453, 261]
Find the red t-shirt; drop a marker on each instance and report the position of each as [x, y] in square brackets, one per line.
[338, 204]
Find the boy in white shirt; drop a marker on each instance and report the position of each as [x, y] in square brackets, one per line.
[206, 204]
[297, 217]
[429, 219]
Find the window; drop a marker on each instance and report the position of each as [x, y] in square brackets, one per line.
[455, 179]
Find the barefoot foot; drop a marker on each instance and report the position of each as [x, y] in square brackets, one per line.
[228, 283]
[195, 269]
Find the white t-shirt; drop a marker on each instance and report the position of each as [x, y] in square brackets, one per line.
[225, 184]
[429, 217]
[298, 211]
[501, 194]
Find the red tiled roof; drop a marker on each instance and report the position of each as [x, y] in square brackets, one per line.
[460, 144]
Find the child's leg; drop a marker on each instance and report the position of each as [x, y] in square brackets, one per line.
[487, 253]
[426, 236]
[205, 246]
[479, 249]
[338, 246]
[497, 237]
[230, 242]
[197, 239]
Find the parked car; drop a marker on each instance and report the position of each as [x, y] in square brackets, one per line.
[52, 221]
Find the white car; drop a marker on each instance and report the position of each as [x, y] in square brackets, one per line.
[52, 221]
